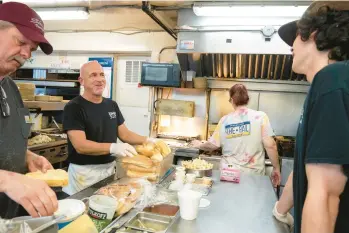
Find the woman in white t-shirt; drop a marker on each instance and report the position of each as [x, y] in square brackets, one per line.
[243, 135]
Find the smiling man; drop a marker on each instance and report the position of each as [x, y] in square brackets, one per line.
[93, 125]
[21, 32]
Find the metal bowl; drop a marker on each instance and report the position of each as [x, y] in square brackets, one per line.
[199, 173]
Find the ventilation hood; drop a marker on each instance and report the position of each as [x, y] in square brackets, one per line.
[234, 47]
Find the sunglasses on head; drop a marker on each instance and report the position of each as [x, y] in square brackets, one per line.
[5, 108]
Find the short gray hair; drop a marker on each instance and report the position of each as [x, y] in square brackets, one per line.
[5, 25]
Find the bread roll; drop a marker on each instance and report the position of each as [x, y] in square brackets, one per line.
[146, 149]
[125, 206]
[149, 176]
[139, 160]
[140, 169]
[54, 178]
[165, 150]
[157, 157]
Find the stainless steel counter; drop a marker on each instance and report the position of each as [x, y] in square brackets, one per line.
[239, 208]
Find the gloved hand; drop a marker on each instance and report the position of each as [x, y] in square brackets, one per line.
[285, 218]
[151, 140]
[122, 149]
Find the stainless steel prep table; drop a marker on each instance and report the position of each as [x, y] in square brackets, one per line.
[238, 208]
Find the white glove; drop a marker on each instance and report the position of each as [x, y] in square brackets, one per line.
[285, 218]
[151, 140]
[122, 149]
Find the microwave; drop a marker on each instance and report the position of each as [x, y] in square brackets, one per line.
[160, 74]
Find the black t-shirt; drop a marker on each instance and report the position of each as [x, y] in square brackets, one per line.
[323, 136]
[99, 122]
[14, 132]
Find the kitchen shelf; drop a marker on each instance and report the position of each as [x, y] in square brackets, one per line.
[49, 80]
[45, 106]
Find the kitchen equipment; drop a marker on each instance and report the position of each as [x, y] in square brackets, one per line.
[189, 204]
[47, 224]
[71, 209]
[175, 108]
[200, 83]
[150, 222]
[200, 173]
[101, 209]
[160, 74]
[162, 209]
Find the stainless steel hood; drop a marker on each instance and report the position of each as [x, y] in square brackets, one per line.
[225, 47]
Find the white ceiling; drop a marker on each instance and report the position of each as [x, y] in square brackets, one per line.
[115, 15]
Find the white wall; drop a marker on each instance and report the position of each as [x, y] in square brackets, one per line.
[104, 42]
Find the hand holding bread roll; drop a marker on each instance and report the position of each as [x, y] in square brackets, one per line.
[54, 178]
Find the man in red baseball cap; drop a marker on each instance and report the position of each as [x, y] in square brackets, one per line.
[21, 32]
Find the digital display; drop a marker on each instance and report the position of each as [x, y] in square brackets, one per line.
[156, 74]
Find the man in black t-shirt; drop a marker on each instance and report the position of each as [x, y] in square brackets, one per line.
[320, 41]
[93, 125]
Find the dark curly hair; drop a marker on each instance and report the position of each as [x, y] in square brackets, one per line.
[331, 29]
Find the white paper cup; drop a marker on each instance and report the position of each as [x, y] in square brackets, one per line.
[189, 202]
[101, 210]
[180, 175]
[190, 178]
[180, 169]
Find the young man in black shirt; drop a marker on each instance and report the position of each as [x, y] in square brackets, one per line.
[93, 125]
[320, 41]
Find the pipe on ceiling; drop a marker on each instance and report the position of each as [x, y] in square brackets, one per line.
[146, 8]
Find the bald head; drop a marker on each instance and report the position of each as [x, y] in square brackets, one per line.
[90, 67]
[92, 78]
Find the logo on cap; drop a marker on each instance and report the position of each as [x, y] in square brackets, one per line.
[38, 23]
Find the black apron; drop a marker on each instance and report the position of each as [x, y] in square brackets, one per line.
[14, 133]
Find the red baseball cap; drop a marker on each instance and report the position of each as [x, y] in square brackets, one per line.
[27, 21]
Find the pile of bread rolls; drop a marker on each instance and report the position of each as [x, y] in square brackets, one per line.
[148, 161]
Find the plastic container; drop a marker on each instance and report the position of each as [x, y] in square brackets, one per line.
[101, 209]
[71, 208]
[189, 202]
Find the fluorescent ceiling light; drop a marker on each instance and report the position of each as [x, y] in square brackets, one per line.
[248, 11]
[62, 13]
[45, 1]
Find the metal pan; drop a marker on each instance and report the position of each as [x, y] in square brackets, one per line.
[200, 173]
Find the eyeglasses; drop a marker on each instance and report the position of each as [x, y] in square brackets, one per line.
[5, 108]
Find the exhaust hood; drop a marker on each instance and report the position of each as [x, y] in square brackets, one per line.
[235, 47]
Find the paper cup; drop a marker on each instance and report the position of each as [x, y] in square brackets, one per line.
[101, 210]
[190, 178]
[189, 202]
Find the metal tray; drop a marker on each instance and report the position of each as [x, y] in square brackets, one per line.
[150, 222]
[200, 173]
